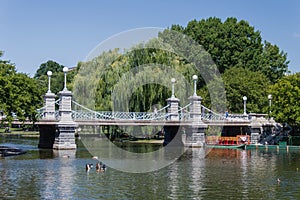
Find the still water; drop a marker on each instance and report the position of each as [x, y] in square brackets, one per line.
[222, 174]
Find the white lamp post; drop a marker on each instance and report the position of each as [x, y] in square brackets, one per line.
[245, 99]
[49, 73]
[195, 77]
[173, 80]
[65, 70]
[270, 102]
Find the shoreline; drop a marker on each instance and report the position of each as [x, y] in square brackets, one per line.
[23, 134]
[142, 141]
[152, 141]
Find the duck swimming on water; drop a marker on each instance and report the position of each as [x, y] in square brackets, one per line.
[100, 167]
[88, 166]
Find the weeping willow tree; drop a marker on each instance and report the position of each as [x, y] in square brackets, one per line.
[137, 79]
[90, 75]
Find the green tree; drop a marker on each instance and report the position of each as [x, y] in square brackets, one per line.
[28, 98]
[241, 82]
[286, 99]
[142, 68]
[57, 78]
[48, 66]
[234, 43]
[19, 93]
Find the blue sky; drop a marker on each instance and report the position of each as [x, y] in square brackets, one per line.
[34, 31]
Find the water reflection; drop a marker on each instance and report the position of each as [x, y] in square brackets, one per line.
[244, 160]
[197, 174]
[46, 153]
[137, 160]
[64, 154]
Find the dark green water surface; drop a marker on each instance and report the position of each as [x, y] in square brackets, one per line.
[221, 174]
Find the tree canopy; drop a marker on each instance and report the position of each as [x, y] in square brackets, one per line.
[19, 94]
[57, 78]
[234, 43]
[286, 99]
[240, 82]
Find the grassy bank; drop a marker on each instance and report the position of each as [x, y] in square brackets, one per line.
[18, 132]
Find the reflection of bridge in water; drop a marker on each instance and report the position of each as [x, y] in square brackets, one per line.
[57, 127]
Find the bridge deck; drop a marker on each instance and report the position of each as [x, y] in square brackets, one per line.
[149, 123]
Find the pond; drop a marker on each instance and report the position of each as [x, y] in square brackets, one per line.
[220, 174]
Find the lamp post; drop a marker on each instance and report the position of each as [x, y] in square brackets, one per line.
[270, 102]
[65, 70]
[49, 73]
[195, 77]
[245, 99]
[173, 80]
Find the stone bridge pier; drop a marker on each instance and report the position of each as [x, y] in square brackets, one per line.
[57, 134]
[65, 128]
[193, 134]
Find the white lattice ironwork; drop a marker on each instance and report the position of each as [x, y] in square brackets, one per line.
[210, 115]
[107, 115]
[84, 113]
[41, 111]
[80, 112]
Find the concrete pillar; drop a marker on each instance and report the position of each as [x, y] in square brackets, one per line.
[255, 128]
[173, 103]
[49, 103]
[65, 136]
[195, 108]
[195, 136]
[65, 107]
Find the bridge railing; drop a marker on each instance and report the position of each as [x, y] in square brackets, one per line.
[237, 117]
[80, 112]
[110, 115]
[84, 113]
[208, 114]
[183, 112]
[41, 111]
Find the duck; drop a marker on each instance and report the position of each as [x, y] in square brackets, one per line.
[98, 166]
[66, 156]
[88, 166]
[101, 168]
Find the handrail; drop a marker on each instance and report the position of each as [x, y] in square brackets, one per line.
[183, 113]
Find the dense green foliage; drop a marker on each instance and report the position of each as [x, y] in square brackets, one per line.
[241, 82]
[101, 83]
[286, 99]
[57, 78]
[234, 43]
[19, 94]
